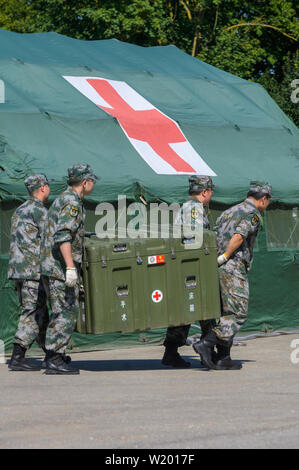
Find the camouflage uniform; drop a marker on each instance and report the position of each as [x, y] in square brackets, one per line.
[193, 213]
[27, 227]
[244, 219]
[65, 224]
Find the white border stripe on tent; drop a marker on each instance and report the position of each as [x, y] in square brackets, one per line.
[183, 149]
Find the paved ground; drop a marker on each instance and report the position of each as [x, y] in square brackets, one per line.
[125, 399]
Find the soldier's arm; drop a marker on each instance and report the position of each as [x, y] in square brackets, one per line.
[66, 251]
[234, 243]
[248, 225]
[245, 227]
[71, 276]
[67, 224]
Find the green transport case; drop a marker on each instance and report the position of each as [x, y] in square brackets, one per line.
[140, 284]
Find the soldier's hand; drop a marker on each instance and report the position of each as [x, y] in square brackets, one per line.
[71, 277]
[221, 259]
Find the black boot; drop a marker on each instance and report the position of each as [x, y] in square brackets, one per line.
[223, 360]
[172, 358]
[18, 361]
[56, 365]
[67, 359]
[205, 348]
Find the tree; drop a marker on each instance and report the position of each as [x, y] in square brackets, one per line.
[256, 40]
[281, 90]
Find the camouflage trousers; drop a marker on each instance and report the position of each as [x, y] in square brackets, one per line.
[64, 302]
[234, 288]
[34, 317]
[177, 335]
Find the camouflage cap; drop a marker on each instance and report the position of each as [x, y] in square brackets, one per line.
[80, 172]
[261, 187]
[198, 183]
[34, 182]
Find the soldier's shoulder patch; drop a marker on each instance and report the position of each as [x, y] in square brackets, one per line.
[194, 213]
[255, 220]
[74, 211]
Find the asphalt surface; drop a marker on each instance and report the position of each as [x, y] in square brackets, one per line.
[125, 399]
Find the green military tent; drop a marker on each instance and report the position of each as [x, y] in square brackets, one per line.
[145, 119]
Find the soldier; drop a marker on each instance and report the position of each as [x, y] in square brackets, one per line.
[27, 227]
[200, 191]
[237, 229]
[61, 264]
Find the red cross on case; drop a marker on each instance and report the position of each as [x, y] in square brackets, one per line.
[157, 296]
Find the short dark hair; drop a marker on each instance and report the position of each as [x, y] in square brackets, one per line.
[74, 183]
[257, 196]
[195, 193]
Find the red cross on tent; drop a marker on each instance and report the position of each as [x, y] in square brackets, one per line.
[156, 129]
[156, 137]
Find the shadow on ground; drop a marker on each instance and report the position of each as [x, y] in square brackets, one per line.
[129, 364]
[134, 364]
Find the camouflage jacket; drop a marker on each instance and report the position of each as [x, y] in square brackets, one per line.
[65, 224]
[27, 228]
[193, 212]
[244, 219]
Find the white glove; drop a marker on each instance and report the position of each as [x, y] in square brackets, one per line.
[222, 259]
[71, 277]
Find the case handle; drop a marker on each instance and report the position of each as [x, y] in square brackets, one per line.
[122, 291]
[190, 282]
[120, 247]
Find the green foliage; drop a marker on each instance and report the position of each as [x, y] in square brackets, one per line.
[256, 40]
[14, 15]
[281, 90]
